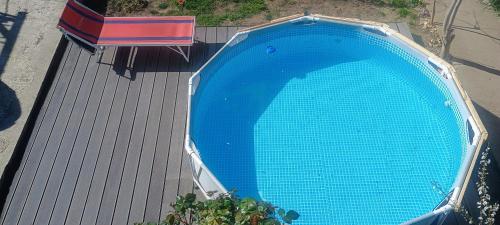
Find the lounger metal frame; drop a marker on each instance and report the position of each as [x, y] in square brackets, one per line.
[185, 53]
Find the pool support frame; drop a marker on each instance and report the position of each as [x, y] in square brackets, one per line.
[210, 186]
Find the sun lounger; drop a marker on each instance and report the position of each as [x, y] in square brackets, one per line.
[95, 32]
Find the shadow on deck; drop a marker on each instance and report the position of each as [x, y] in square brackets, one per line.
[105, 145]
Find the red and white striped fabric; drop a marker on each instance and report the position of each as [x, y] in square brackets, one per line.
[127, 31]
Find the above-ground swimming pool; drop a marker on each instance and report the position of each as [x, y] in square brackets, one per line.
[343, 121]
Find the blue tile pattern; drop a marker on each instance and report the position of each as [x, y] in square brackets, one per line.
[336, 123]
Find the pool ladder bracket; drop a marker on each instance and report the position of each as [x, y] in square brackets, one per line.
[238, 38]
[305, 20]
[439, 67]
[379, 30]
[193, 83]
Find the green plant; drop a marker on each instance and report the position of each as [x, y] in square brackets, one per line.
[163, 5]
[405, 3]
[127, 6]
[378, 2]
[226, 209]
[495, 4]
[416, 2]
[487, 208]
[269, 16]
[215, 12]
[247, 9]
[404, 12]
[399, 3]
[413, 19]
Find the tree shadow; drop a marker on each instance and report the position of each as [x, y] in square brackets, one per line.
[10, 109]
[475, 31]
[476, 65]
[10, 26]
[474, 27]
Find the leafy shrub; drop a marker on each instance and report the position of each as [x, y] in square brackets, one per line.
[163, 5]
[269, 16]
[127, 6]
[200, 6]
[495, 4]
[247, 9]
[488, 209]
[417, 2]
[206, 15]
[399, 3]
[226, 209]
[404, 12]
[405, 3]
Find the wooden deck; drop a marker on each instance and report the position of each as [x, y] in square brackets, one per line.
[106, 146]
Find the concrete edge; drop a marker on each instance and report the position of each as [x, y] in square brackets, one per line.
[15, 160]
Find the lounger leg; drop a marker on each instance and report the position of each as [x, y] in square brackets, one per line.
[179, 50]
[133, 55]
[100, 52]
[185, 54]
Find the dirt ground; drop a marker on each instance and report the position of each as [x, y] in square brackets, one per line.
[365, 10]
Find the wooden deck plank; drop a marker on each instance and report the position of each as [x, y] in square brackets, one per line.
[404, 29]
[185, 176]
[66, 147]
[174, 156]
[137, 138]
[76, 167]
[210, 39]
[160, 161]
[102, 123]
[199, 49]
[393, 26]
[106, 147]
[53, 146]
[231, 31]
[221, 35]
[141, 187]
[122, 143]
[33, 161]
[35, 131]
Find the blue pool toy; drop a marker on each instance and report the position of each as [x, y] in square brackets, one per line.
[270, 49]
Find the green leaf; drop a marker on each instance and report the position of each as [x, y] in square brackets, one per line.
[281, 212]
[270, 221]
[190, 197]
[170, 219]
[226, 209]
[292, 215]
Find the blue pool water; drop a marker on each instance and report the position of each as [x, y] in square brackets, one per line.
[329, 120]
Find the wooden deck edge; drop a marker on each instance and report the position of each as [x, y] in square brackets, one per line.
[15, 160]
